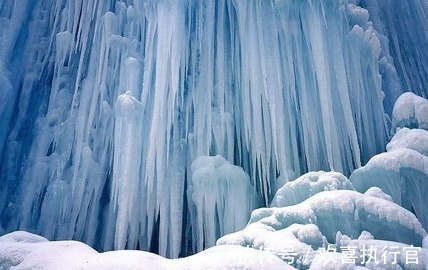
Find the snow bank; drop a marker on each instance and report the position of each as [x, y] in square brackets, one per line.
[311, 225]
[30, 254]
[75, 255]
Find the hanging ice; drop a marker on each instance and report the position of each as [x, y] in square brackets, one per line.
[401, 27]
[105, 104]
[222, 198]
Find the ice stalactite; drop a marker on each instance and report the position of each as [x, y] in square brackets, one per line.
[401, 28]
[222, 199]
[108, 103]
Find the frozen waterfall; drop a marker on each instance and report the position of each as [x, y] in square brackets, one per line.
[104, 106]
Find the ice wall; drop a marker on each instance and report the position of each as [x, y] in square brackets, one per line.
[105, 104]
[401, 26]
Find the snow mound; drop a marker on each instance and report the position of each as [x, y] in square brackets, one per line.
[43, 255]
[307, 185]
[378, 193]
[75, 255]
[369, 253]
[231, 257]
[22, 237]
[329, 212]
[381, 254]
[127, 259]
[402, 174]
[410, 111]
[222, 197]
[415, 139]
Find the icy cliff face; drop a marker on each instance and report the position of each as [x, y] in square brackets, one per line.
[105, 104]
[400, 26]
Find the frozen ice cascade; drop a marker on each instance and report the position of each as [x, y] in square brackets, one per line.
[105, 106]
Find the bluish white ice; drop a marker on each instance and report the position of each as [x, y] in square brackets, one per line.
[322, 214]
[410, 111]
[222, 199]
[105, 106]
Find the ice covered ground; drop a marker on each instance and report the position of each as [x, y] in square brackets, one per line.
[21, 250]
[376, 219]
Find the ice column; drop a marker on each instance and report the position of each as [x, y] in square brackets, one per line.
[222, 199]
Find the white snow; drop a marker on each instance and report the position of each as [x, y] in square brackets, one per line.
[160, 124]
[378, 193]
[22, 237]
[415, 139]
[402, 174]
[42, 254]
[307, 185]
[410, 111]
[75, 255]
[316, 222]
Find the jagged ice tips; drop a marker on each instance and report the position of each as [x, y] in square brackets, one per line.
[213, 134]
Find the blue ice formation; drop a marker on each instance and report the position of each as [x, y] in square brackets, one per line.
[323, 220]
[402, 171]
[381, 206]
[221, 199]
[105, 105]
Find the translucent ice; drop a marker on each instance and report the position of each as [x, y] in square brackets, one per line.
[223, 198]
[105, 105]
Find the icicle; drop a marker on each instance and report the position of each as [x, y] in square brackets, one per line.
[108, 104]
[222, 197]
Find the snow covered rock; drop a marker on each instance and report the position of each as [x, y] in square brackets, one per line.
[402, 174]
[410, 111]
[327, 213]
[402, 171]
[415, 139]
[307, 185]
